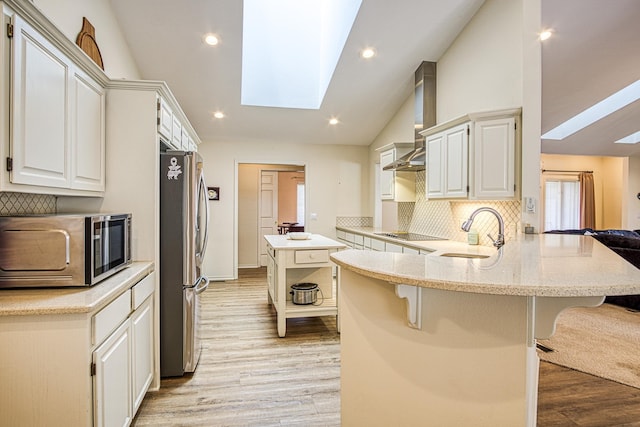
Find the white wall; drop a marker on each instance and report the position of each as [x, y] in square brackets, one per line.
[67, 16]
[335, 177]
[482, 69]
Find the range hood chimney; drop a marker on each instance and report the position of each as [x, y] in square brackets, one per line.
[425, 117]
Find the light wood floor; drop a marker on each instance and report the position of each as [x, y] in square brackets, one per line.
[247, 376]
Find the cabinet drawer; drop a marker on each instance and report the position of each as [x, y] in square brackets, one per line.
[311, 256]
[109, 318]
[142, 290]
[377, 245]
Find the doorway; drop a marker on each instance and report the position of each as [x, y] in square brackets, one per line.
[269, 195]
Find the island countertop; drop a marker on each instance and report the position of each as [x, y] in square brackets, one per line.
[550, 265]
[315, 241]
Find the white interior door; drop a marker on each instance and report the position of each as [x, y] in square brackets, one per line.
[268, 221]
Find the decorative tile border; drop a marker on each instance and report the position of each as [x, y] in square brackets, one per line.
[24, 203]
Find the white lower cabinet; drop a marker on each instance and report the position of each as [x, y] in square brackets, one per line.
[142, 351]
[124, 368]
[112, 381]
[65, 366]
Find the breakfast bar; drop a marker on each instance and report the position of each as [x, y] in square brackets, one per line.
[451, 340]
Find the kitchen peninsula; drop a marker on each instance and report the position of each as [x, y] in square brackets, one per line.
[301, 261]
[449, 341]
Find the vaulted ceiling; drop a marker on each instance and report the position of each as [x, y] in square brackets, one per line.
[595, 51]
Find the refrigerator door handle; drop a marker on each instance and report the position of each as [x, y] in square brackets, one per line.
[203, 194]
[201, 285]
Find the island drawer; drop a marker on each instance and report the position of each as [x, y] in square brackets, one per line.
[311, 256]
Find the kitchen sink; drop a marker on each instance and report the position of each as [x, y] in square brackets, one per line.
[463, 255]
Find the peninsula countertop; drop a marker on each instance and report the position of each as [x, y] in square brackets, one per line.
[43, 301]
[550, 265]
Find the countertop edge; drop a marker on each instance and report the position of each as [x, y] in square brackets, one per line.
[83, 300]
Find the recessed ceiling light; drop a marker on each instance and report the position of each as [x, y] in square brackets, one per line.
[544, 35]
[368, 53]
[211, 39]
[218, 115]
[333, 121]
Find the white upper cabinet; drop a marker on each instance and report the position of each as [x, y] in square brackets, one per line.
[88, 134]
[173, 129]
[56, 114]
[494, 158]
[447, 154]
[165, 119]
[474, 156]
[40, 85]
[397, 186]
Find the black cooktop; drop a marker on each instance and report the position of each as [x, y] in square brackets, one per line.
[410, 236]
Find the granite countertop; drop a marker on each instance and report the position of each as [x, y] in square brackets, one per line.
[315, 241]
[531, 265]
[42, 301]
[437, 247]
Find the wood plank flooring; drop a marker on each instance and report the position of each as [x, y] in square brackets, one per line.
[247, 376]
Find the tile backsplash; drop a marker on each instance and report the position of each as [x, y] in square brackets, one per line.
[24, 203]
[443, 218]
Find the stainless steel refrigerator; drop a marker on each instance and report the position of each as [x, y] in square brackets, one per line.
[184, 217]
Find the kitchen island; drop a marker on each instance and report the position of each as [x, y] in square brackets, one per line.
[449, 341]
[301, 261]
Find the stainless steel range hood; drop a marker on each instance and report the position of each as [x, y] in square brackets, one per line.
[425, 117]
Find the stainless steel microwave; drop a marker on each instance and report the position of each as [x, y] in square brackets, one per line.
[63, 250]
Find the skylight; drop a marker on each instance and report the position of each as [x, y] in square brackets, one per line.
[634, 138]
[290, 49]
[615, 102]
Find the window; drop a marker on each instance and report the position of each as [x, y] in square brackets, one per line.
[561, 203]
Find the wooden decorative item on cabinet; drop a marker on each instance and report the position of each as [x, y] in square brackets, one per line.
[87, 41]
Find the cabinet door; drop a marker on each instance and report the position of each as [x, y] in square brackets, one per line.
[88, 134]
[165, 119]
[386, 177]
[456, 169]
[112, 380]
[142, 356]
[177, 133]
[40, 110]
[435, 166]
[494, 158]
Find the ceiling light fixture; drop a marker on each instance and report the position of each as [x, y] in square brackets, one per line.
[333, 121]
[368, 53]
[545, 35]
[611, 104]
[218, 115]
[211, 39]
